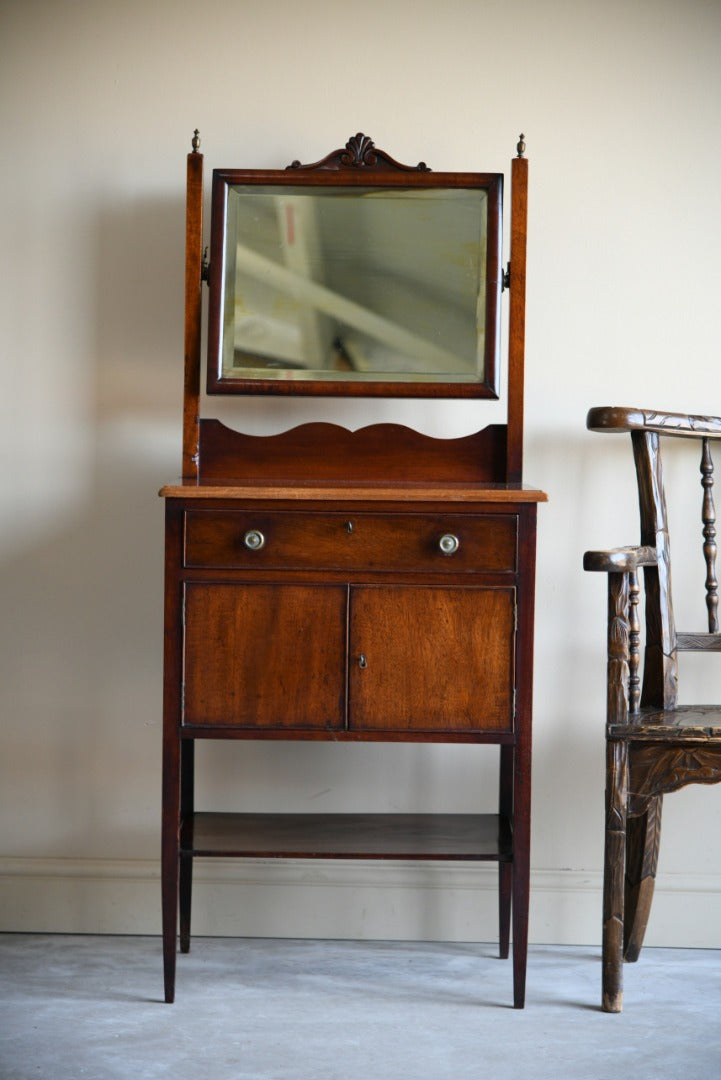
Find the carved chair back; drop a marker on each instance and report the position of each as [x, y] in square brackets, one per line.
[653, 745]
[662, 641]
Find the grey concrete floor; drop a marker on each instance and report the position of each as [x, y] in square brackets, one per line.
[250, 1009]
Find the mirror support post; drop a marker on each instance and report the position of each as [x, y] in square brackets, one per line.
[193, 309]
[517, 315]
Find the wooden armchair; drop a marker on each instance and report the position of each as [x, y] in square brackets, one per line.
[653, 745]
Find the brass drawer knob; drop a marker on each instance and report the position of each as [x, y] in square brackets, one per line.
[449, 544]
[254, 540]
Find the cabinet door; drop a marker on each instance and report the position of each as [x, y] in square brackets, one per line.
[431, 659]
[264, 656]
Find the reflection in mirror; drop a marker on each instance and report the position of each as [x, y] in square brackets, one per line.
[356, 284]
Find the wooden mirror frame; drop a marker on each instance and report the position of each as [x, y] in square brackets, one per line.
[359, 166]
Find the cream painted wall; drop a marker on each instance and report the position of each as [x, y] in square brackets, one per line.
[620, 101]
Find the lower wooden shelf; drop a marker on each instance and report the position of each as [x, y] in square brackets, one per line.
[471, 837]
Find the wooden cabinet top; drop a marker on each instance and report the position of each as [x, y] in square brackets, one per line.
[411, 493]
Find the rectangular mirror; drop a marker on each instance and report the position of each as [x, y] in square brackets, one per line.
[334, 284]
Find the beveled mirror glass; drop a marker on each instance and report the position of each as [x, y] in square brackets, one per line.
[333, 283]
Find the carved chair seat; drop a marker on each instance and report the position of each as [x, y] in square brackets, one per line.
[653, 745]
[683, 722]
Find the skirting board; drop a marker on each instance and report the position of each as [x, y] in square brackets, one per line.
[340, 899]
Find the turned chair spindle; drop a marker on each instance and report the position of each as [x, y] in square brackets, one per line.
[634, 642]
[708, 516]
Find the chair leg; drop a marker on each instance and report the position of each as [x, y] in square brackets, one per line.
[614, 874]
[643, 836]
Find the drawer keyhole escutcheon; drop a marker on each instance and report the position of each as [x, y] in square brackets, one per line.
[254, 540]
[449, 544]
[362, 661]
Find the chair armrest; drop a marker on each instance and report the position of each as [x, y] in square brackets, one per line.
[623, 685]
[616, 419]
[623, 560]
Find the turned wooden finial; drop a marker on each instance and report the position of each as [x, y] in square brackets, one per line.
[196, 141]
[521, 145]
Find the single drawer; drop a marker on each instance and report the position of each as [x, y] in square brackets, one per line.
[437, 543]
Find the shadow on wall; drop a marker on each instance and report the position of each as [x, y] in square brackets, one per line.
[139, 283]
[81, 655]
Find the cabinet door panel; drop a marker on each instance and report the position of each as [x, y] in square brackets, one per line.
[264, 656]
[431, 659]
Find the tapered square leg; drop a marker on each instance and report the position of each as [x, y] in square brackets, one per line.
[170, 860]
[505, 869]
[187, 806]
[505, 885]
[521, 867]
